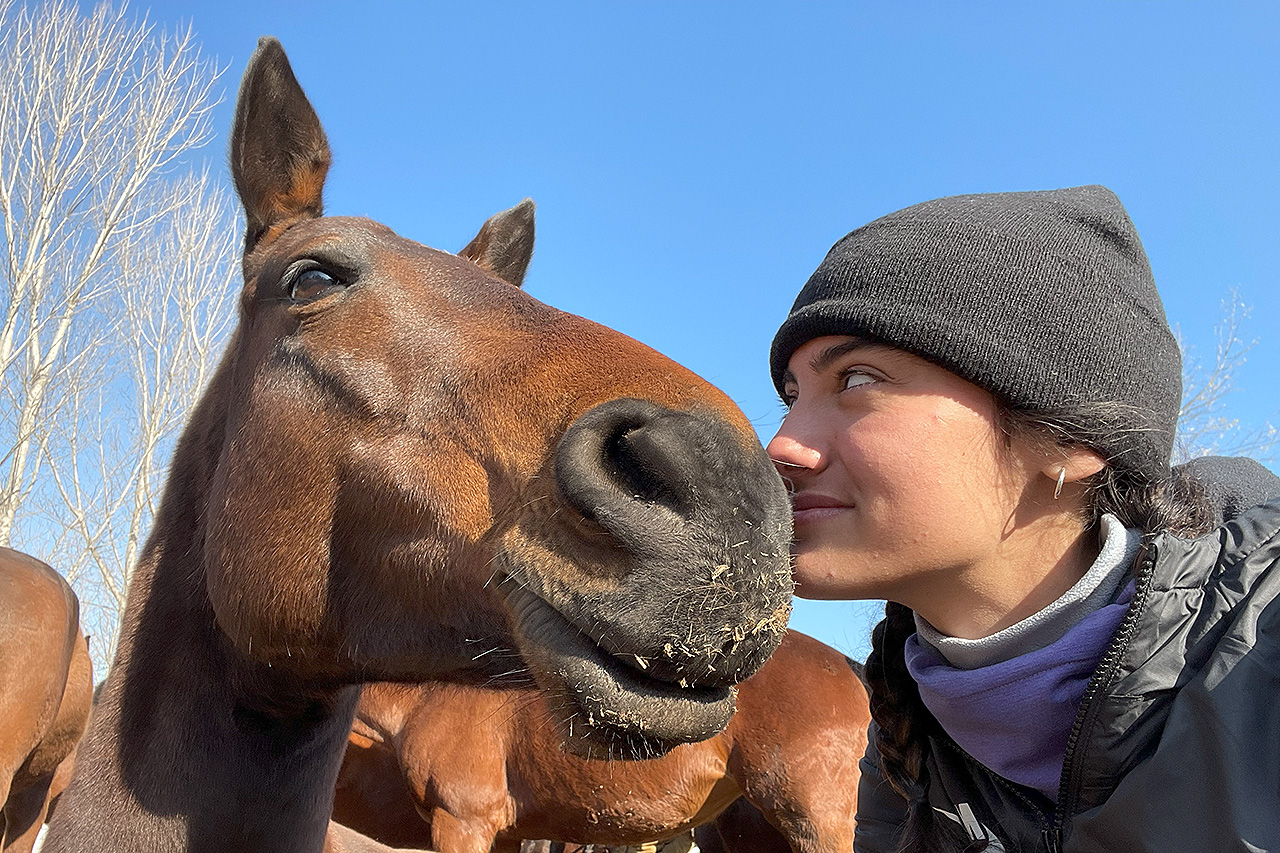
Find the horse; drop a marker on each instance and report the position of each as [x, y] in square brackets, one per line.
[402, 459]
[46, 687]
[482, 765]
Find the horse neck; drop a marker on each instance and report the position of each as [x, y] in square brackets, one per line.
[192, 746]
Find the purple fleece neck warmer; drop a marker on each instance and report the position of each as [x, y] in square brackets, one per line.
[1015, 716]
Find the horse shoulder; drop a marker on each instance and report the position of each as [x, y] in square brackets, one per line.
[800, 731]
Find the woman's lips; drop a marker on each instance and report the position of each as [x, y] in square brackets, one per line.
[809, 508]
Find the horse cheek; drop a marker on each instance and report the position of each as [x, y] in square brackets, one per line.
[267, 546]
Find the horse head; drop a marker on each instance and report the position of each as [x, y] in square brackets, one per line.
[419, 463]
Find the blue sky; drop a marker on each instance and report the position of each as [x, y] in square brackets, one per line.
[692, 162]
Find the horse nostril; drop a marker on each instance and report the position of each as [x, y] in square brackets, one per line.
[653, 463]
[705, 529]
[631, 464]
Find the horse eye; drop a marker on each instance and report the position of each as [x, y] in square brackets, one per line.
[312, 284]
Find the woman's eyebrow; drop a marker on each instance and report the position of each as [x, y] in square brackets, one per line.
[823, 360]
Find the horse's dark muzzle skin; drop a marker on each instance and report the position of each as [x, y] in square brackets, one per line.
[705, 523]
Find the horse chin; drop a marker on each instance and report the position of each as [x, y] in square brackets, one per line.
[607, 708]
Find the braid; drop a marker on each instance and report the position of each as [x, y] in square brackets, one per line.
[894, 701]
[1178, 503]
[901, 729]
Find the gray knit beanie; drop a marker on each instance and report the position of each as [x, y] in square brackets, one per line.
[1046, 299]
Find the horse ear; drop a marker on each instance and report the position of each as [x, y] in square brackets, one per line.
[279, 153]
[504, 245]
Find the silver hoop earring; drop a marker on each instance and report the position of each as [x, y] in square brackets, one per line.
[1062, 478]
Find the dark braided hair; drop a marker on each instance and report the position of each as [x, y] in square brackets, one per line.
[901, 730]
[1175, 503]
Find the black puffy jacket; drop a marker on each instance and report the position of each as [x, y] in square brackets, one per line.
[1176, 746]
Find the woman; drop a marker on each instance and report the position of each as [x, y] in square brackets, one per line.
[982, 393]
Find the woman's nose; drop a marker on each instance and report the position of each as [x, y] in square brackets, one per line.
[792, 455]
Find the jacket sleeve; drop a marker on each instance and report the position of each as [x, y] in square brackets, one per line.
[882, 811]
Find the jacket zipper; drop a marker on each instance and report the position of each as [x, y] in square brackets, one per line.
[1101, 677]
[976, 766]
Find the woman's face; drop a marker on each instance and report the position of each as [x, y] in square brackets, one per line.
[903, 482]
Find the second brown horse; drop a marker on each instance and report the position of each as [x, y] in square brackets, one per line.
[46, 687]
[483, 764]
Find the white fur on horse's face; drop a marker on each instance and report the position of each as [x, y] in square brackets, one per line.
[906, 488]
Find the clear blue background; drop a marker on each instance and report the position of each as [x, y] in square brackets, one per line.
[692, 162]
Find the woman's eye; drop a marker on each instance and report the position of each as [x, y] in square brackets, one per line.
[312, 284]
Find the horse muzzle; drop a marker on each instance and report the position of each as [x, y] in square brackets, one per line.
[697, 529]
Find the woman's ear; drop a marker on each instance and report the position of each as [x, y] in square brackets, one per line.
[1073, 464]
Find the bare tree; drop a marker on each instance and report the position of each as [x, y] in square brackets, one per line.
[117, 269]
[94, 110]
[175, 303]
[1204, 425]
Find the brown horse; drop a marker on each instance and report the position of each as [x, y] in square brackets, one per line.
[483, 763]
[403, 460]
[46, 687]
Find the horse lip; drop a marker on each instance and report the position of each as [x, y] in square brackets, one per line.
[612, 697]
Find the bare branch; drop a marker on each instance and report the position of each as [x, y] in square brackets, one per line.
[116, 271]
[1204, 425]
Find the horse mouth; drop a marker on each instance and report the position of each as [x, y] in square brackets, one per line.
[615, 709]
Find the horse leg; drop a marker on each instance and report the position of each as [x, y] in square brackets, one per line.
[807, 827]
[24, 814]
[342, 839]
[742, 828]
[810, 797]
[25, 709]
[452, 834]
[6, 784]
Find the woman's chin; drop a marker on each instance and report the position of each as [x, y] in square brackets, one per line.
[825, 576]
[821, 586]
[824, 591]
